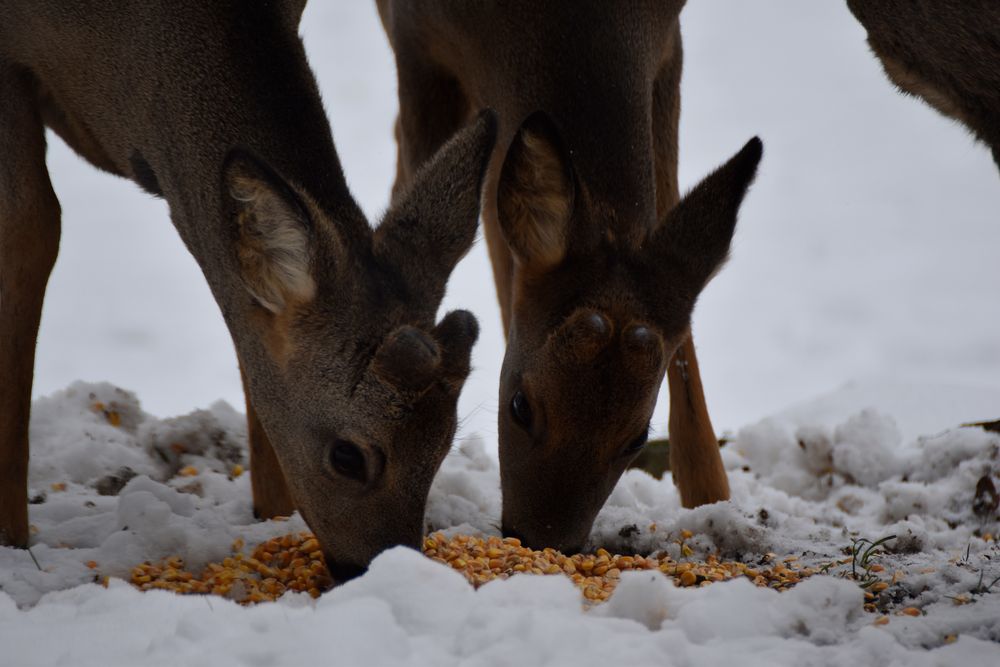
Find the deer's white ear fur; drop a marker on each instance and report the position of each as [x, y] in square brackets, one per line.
[274, 247]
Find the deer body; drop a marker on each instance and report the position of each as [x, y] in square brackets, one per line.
[351, 387]
[945, 51]
[596, 265]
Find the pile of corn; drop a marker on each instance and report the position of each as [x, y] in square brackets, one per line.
[295, 562]
[597, 575]
[289, 563]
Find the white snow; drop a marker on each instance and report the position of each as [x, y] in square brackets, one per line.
[805, 491]
[862, 293]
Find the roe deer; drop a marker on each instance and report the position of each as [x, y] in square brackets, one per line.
[945, 51]
[596, 264]
[351, 387]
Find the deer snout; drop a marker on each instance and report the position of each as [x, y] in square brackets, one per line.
[342, 572]
[555, 534]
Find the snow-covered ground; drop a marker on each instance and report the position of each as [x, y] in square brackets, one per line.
[859, 310]
[799, 488]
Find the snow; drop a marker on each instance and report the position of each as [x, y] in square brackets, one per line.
[806, 491]
[859, 311]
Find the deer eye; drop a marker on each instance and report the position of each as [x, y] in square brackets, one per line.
[348, 460]
[638, 443]
[520, 409]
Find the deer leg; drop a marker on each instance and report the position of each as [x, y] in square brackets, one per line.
[29, 243]
[695, 461]
[267, 481]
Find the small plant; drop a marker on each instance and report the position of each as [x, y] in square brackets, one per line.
[863, 551]
[981, 589]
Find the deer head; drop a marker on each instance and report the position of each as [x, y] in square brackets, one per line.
[596, 318]
[353, 379]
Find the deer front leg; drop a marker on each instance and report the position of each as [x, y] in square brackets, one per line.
[695, 461]
[29, 242]
[270, 491]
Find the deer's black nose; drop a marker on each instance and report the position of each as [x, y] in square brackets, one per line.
[342, 572]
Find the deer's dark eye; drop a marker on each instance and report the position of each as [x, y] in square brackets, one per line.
[638, 443]
[348, 460]
[520, 409]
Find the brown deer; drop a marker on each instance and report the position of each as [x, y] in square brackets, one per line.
[351, 386]
[597, 263]
[945, 51]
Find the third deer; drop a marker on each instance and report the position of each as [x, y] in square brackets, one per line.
[945, 51]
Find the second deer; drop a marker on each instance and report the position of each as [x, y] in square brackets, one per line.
[597, 260]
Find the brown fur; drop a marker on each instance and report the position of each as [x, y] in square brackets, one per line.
[590, 91]
[312, 296]
[944, 51]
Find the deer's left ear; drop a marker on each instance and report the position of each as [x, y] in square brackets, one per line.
[274, 244]
[535, 195]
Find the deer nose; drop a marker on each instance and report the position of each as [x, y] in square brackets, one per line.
[342, 572]
[510, 532]
[565, 548]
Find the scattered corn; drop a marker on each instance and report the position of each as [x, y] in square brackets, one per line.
[910, 611]
[59, 486]
[188, 471]
[289, 563]
[295, 562]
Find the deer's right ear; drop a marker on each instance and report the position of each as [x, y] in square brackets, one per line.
[696, 234]
[273, 233]
[434, 225]
[535, 194]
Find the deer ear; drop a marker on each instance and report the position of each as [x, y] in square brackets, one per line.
[535, 194]
[698, 231]
[434, 224]
[456, 333]
[273, 233]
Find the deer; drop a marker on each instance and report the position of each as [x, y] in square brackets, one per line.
[351, 382]
[944, 51]
[597, 260]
